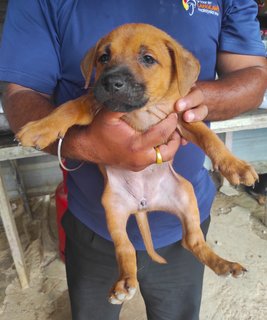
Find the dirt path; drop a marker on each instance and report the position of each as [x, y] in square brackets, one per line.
[236, 233]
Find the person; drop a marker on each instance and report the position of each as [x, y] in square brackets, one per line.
[42, 45]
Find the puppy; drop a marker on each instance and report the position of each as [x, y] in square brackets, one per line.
[142, 71]
[259, 190]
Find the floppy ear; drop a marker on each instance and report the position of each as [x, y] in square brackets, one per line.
[88, 64]
[186, 67]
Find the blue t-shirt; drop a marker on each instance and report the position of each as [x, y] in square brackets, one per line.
[45, 40]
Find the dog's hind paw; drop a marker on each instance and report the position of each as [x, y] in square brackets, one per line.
[123, 290]
[228, 268]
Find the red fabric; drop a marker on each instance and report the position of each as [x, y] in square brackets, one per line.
[61, 207]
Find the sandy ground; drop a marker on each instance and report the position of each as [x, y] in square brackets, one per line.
[236, 233]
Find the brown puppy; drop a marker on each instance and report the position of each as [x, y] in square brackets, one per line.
[143, 71]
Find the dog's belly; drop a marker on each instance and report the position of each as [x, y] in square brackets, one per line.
[153, 188]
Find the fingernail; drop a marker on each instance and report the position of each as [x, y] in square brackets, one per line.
[190, 116]
[181, 105]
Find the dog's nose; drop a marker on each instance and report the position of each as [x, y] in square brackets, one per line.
[114, 83]
[118, 90]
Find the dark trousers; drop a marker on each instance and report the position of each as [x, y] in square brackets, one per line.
[171, 291]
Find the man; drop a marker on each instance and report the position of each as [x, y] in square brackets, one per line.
[43, 44]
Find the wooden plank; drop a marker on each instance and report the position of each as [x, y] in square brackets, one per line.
[229, 144]
[12, 236]
[21, 187]
[265, 213]
[18, 152]
[256, 119]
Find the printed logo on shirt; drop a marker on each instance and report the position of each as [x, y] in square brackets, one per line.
[202, 6]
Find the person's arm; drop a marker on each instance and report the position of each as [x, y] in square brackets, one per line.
[108, 140]
[240, 88]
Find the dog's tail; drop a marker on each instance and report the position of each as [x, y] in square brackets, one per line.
[142, 221]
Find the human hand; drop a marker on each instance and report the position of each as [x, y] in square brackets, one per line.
[192, 106]
[114, 142]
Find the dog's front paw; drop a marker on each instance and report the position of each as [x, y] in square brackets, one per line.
[39, 134]
[237, 171]
[123, 290]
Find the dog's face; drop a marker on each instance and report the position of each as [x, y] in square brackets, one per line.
[136, 65]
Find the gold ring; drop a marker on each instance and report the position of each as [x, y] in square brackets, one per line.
[158, 156]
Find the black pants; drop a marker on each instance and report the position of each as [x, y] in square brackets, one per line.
[171, 291]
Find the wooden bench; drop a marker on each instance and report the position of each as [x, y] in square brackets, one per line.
[256, 119]
[252, 120]
[10, 151]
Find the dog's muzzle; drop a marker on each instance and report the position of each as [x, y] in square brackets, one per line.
[118, 90]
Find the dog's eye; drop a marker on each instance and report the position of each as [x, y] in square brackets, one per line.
[148, 60]
[104, 58]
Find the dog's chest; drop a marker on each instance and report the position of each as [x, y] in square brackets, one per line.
[142, 119]
[147, 190]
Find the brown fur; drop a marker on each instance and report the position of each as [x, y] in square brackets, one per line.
[166, 82]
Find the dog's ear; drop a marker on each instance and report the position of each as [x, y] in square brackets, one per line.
[186, 67]
[88, 64]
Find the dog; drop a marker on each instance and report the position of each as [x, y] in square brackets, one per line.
[142, 71]
[259, 190]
